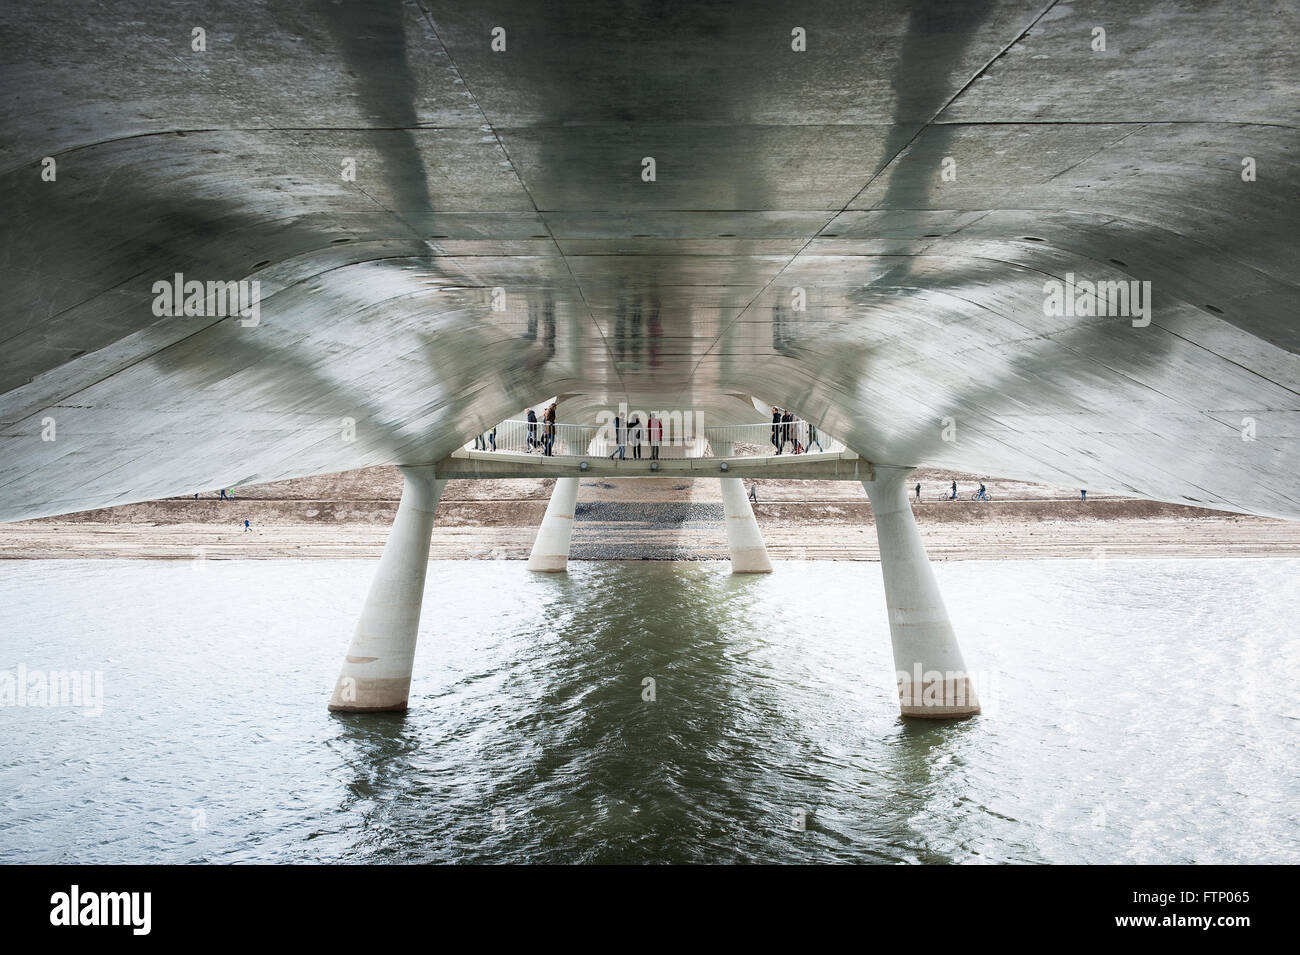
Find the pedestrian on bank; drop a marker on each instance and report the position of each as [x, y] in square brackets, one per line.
[753, 493]
[247, 526]
[918, 493]
[656, 430]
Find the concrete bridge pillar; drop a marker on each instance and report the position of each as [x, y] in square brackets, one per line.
[551, 548]
[376, 674]
[932, 677]
[744, 539]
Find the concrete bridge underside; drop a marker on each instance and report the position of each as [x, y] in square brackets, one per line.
[443, 232]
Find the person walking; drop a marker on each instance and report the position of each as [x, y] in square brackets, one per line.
[918, 493]
[247, 525]
[620, 439]
[656, 429]
[954, 491]
[1083, 495]
[492, 437]
[532, 430]
[813, 437]
[787, 426]
[223, 495]
[549, 431]
[776, 428]
[479, 443]
[753, 493]
[634, 425]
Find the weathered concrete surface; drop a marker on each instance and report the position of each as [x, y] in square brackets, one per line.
[779, 173]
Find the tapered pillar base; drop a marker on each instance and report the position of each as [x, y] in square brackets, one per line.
[938, 699]
[750, 560]
[375, 692]
[933, 682]
[551, 548]
[376, 674]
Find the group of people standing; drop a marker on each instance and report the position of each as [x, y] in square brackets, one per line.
[785, 430]
[630, 432]
[547, 440]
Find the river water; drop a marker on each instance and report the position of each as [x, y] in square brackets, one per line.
[1135, 711]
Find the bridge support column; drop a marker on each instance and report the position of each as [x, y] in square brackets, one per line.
[744, 539]
[376, 674]
[932, 678]
[551, 548]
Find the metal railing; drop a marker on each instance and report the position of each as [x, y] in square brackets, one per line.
[662, 445]
[586, 441]
[793, 437]
[530, 437]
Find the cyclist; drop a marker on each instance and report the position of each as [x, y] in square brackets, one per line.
[983, 495]
[954, 491]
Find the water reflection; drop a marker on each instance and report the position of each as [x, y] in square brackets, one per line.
[773, 734]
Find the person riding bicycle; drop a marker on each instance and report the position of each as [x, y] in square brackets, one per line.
[983, 496]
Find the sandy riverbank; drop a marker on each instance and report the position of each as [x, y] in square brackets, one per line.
[348, 515]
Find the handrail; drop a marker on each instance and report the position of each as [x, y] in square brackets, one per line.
[787, 437]
[520, 436]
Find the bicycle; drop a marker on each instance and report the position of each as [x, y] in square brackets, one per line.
[981, 496]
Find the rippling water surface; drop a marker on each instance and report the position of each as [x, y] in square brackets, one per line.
[1135, 711]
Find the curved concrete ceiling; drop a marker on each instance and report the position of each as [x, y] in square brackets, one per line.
[924, 340]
